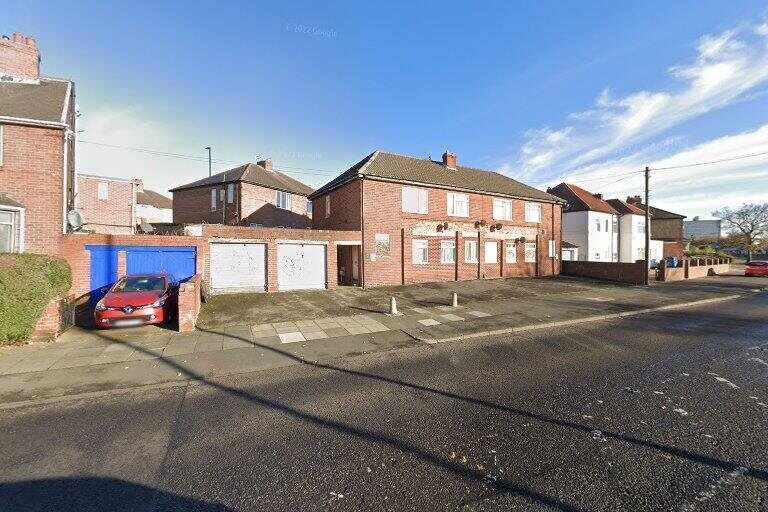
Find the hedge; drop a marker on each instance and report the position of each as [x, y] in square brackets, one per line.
[28, 282]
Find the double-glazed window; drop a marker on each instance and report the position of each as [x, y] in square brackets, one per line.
[415, 200]
[213, 198]
[598, 224]
[532, 212]
[103, 191]
[231, 193]
[448, 251]
[511, 248]
[327, 205]
[420, 252]
[458, 204]
[470, 251]
[10, 231]
[283, 200]
[502, 209]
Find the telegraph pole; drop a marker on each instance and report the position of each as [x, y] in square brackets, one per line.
[208, 148]
[647, 225]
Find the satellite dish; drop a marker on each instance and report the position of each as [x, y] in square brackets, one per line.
[75, 219]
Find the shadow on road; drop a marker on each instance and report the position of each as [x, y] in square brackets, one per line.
[92, 494]
[436, 460]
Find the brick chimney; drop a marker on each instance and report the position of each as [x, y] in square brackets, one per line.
[267, 164]
[599, 196]
[634, 200]
[139, 184]
[19, 58]
[449, 160]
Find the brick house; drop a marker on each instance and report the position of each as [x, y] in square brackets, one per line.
[423, 220]
[666, 226]
[37, 150]
[251, 195]
[107, 204]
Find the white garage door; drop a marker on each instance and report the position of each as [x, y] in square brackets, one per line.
[238, 267]
[300, 266]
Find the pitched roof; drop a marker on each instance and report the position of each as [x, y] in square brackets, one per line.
[152, 198]
[408, 169]
[255, 174]
[43, 101]
[580, 200]
[625, 208]
[7, 201]
[658, 213]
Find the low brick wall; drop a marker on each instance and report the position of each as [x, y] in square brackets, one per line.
[189, 303]
[632, 273]
[694, 268]
[57, 316]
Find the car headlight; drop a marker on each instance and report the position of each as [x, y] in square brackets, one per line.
[159, 302]
[100, 306]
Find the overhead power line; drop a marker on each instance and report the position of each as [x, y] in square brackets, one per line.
[710, 162]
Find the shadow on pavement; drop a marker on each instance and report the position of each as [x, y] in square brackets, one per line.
[93, 494]
[437, 460]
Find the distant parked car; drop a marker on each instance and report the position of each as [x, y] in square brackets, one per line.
[137, 300]
[757, 269]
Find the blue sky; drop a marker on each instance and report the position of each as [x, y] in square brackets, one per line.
[542, 91]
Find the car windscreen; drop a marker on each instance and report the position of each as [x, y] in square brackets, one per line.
[141, 284]
[757, 264]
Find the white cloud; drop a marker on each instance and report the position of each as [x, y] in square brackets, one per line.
[726, 68]
[131, 127]
[691, 190]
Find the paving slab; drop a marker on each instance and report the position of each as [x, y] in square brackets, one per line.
[315, 335]
[451, 317]
[429, 321]
[478, 314]
[335, 332]
[291, 337]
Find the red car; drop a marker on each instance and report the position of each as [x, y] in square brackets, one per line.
[757, 269]
[137, 300]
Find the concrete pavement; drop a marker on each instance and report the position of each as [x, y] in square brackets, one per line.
[660, 412]
[99, 360]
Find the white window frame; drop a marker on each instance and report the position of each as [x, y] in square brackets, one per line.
[448, 252]
[20, 231]
[309, 207]
[529, 209]
[214, 199]
[598, 224]
[505, 207]
[511, 252]
[532, 247]
[327, 205]
[102, 191]
[382, 239]
[495, 251]
[552, 251]
[284, 200]
[468, 244]
[231, 193]
[420, 248]
[418, 195]
[451, 198]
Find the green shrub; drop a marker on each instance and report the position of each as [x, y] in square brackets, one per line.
[706, 252]
[28, 282]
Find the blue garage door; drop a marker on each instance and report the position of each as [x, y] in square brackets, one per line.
[180, 262]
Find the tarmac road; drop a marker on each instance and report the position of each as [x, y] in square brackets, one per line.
[666, 411]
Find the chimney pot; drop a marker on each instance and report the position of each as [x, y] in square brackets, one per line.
[449, 159]
[267, 163]
[599, 196]
[634, 200]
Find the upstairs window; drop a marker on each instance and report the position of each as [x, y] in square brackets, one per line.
[597, 225]
[502, 209]
[283, 200]
[532, 212]
[231, 193]
[213, 199]
[327, 206]
[309, 207]
[458, 204]
[103, 191]
[415, 200]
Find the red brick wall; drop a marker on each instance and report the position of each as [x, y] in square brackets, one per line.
[115, 215]
[382, 214]
[32, 174]
[257, 206]
[19, 57]
[252, 204]
[345, 208]
[632, 273]
[189, 304]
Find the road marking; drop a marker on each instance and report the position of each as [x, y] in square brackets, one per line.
[576, 321]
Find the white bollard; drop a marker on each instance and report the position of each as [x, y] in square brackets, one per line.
[393, 306]
[455, 301]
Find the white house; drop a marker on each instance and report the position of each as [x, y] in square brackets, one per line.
[152, 206]
[590, 223]
[632, 234]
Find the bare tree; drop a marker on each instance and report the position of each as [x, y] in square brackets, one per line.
[748, 226]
